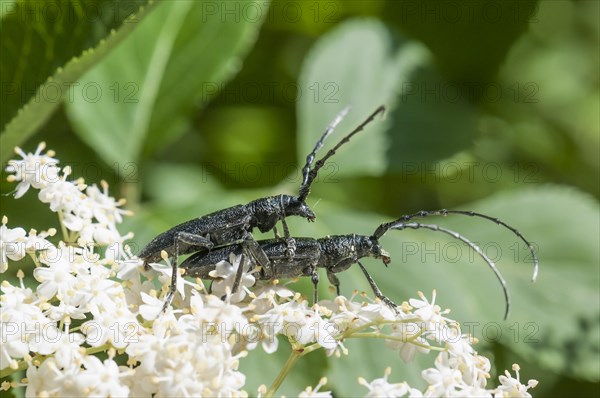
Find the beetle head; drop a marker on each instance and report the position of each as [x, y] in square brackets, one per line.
[369, 246]
[293, 206]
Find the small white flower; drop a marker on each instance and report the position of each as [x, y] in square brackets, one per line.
[309, 392]
[473, 391]
[165, 275]
[382, 388]
[316, 329]
[64, 196]
[64, 310]
[105, 208]
[348, 313]
[18, 304]
[103, 378]
[100, 294]
[271, 321]
[22, 323]
[408, 340]
[129, 268]
[225, 273]
[430, 313]
[10, 244]
[44, 380]
[444, 380]
[119, 329]
[152, 307]
[147, 348]
[37, 242]
[57, 278]
[227, 317]
[266, 296]
[512, 387]
[14, 345]
[34, 169]
[65, 346]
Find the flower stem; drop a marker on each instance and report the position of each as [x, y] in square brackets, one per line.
[65, 233]
[23, 364]
[289, 364]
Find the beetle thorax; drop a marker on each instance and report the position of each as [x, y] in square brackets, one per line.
[266, 212]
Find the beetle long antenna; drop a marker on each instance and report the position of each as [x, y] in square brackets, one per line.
[311, 156]
[443, 212]
[311, 174]
[505, 225]
[477, 249]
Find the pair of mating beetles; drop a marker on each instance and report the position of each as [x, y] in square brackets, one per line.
[217, 235]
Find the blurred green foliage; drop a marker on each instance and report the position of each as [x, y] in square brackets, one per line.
[188, 107]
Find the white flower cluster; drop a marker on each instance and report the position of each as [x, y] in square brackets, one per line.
[92, 298]
[90, 214]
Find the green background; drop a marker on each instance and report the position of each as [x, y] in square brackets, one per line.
[188, 107]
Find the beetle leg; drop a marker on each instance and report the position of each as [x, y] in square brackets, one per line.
[315, 280]
[253, 249]
[290, 243]
[333, 279]
[193, 240]
[277, 236]
[188, 239]
[376, 290]
[239, 273]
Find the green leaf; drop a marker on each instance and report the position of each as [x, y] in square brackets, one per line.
[46, 47]
[333, 77]
[429, 119]
[433, 120]
[182, 185]
[179, 58]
